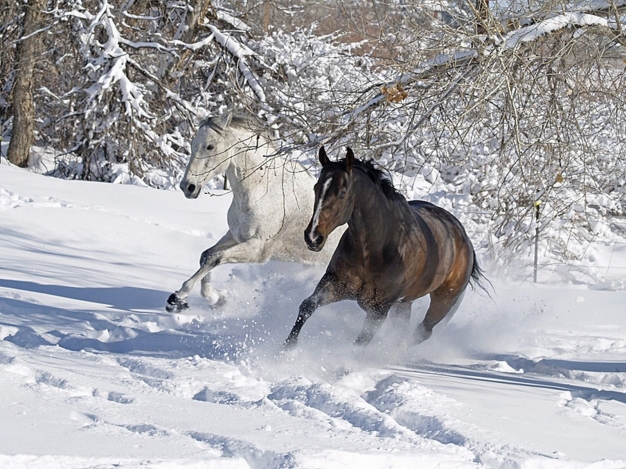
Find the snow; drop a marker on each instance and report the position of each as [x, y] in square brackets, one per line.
[239, 51]
[111, 51]
[96, 374]
[530, 33]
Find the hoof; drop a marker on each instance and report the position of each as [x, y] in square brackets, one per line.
[290, 344]
[421, 334]
[175, 304]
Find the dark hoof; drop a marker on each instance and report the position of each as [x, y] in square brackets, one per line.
[290, 344]
[361, 342]
[175, 304]
[421, 334]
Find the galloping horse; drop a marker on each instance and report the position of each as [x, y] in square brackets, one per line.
[271, 199]
[392, 253]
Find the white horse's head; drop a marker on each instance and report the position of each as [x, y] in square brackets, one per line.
[211, 153]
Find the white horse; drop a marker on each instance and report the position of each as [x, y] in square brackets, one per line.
[272, 201]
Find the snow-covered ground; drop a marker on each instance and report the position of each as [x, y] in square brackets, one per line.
[94, 373]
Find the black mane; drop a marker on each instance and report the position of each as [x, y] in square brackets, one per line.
[377, 176]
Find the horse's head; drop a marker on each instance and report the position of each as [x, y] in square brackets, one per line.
[333, 200]
[210, 155]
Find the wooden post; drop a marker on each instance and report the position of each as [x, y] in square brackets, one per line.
[537, 205]
[266, 19]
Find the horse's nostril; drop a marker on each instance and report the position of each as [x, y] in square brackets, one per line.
[191, 188]
[313, 239]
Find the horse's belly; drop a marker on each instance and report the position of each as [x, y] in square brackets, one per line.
[281, 229]
[420, 282]
[451, 272]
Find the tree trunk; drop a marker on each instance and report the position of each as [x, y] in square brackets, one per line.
[200, 8]
[23, 106]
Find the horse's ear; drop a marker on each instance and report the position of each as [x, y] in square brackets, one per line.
[226, 119]
[349, 159]
[323, 156]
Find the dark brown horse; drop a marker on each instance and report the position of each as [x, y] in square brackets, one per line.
[392, 253]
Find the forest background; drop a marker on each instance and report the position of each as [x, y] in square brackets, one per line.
[509, 114]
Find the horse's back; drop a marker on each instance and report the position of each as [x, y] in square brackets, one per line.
[432, 214]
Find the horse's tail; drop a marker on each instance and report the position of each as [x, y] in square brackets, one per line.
[478, 278]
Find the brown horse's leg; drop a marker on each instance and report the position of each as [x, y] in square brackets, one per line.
[401, 313]
[375, 316]
[325, 293]
[442, 303]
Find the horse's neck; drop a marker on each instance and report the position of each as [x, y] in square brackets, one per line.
[374, 215]
[256, 172]
[249, 153]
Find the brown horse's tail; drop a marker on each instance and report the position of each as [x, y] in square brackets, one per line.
[478, 279]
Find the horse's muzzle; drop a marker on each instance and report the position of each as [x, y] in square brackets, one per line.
[315, 242]
[191, 190]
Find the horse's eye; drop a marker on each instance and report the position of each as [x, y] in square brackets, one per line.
[210, 147]
[342, 194]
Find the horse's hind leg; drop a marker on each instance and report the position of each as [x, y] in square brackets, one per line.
[207, 291]
[401, 313]
[375, 315]
[400, 317]
[442, 304]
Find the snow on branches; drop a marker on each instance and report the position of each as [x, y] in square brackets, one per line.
[111, 61]
[141, 86]
[239, 52]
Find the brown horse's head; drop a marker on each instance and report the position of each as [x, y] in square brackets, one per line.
[333, 199]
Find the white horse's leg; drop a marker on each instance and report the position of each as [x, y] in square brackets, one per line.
[206, 289]
[248, 251]
[227, 241]
[176, 301]
[226, 251]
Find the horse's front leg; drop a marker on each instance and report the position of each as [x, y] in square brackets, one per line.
[325, 293]
[227, 250]
[400, 313]
[374, 318]
[206, 289]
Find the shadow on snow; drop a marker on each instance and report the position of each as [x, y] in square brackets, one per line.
[543, 382]
[126, 298]
[33, 325]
